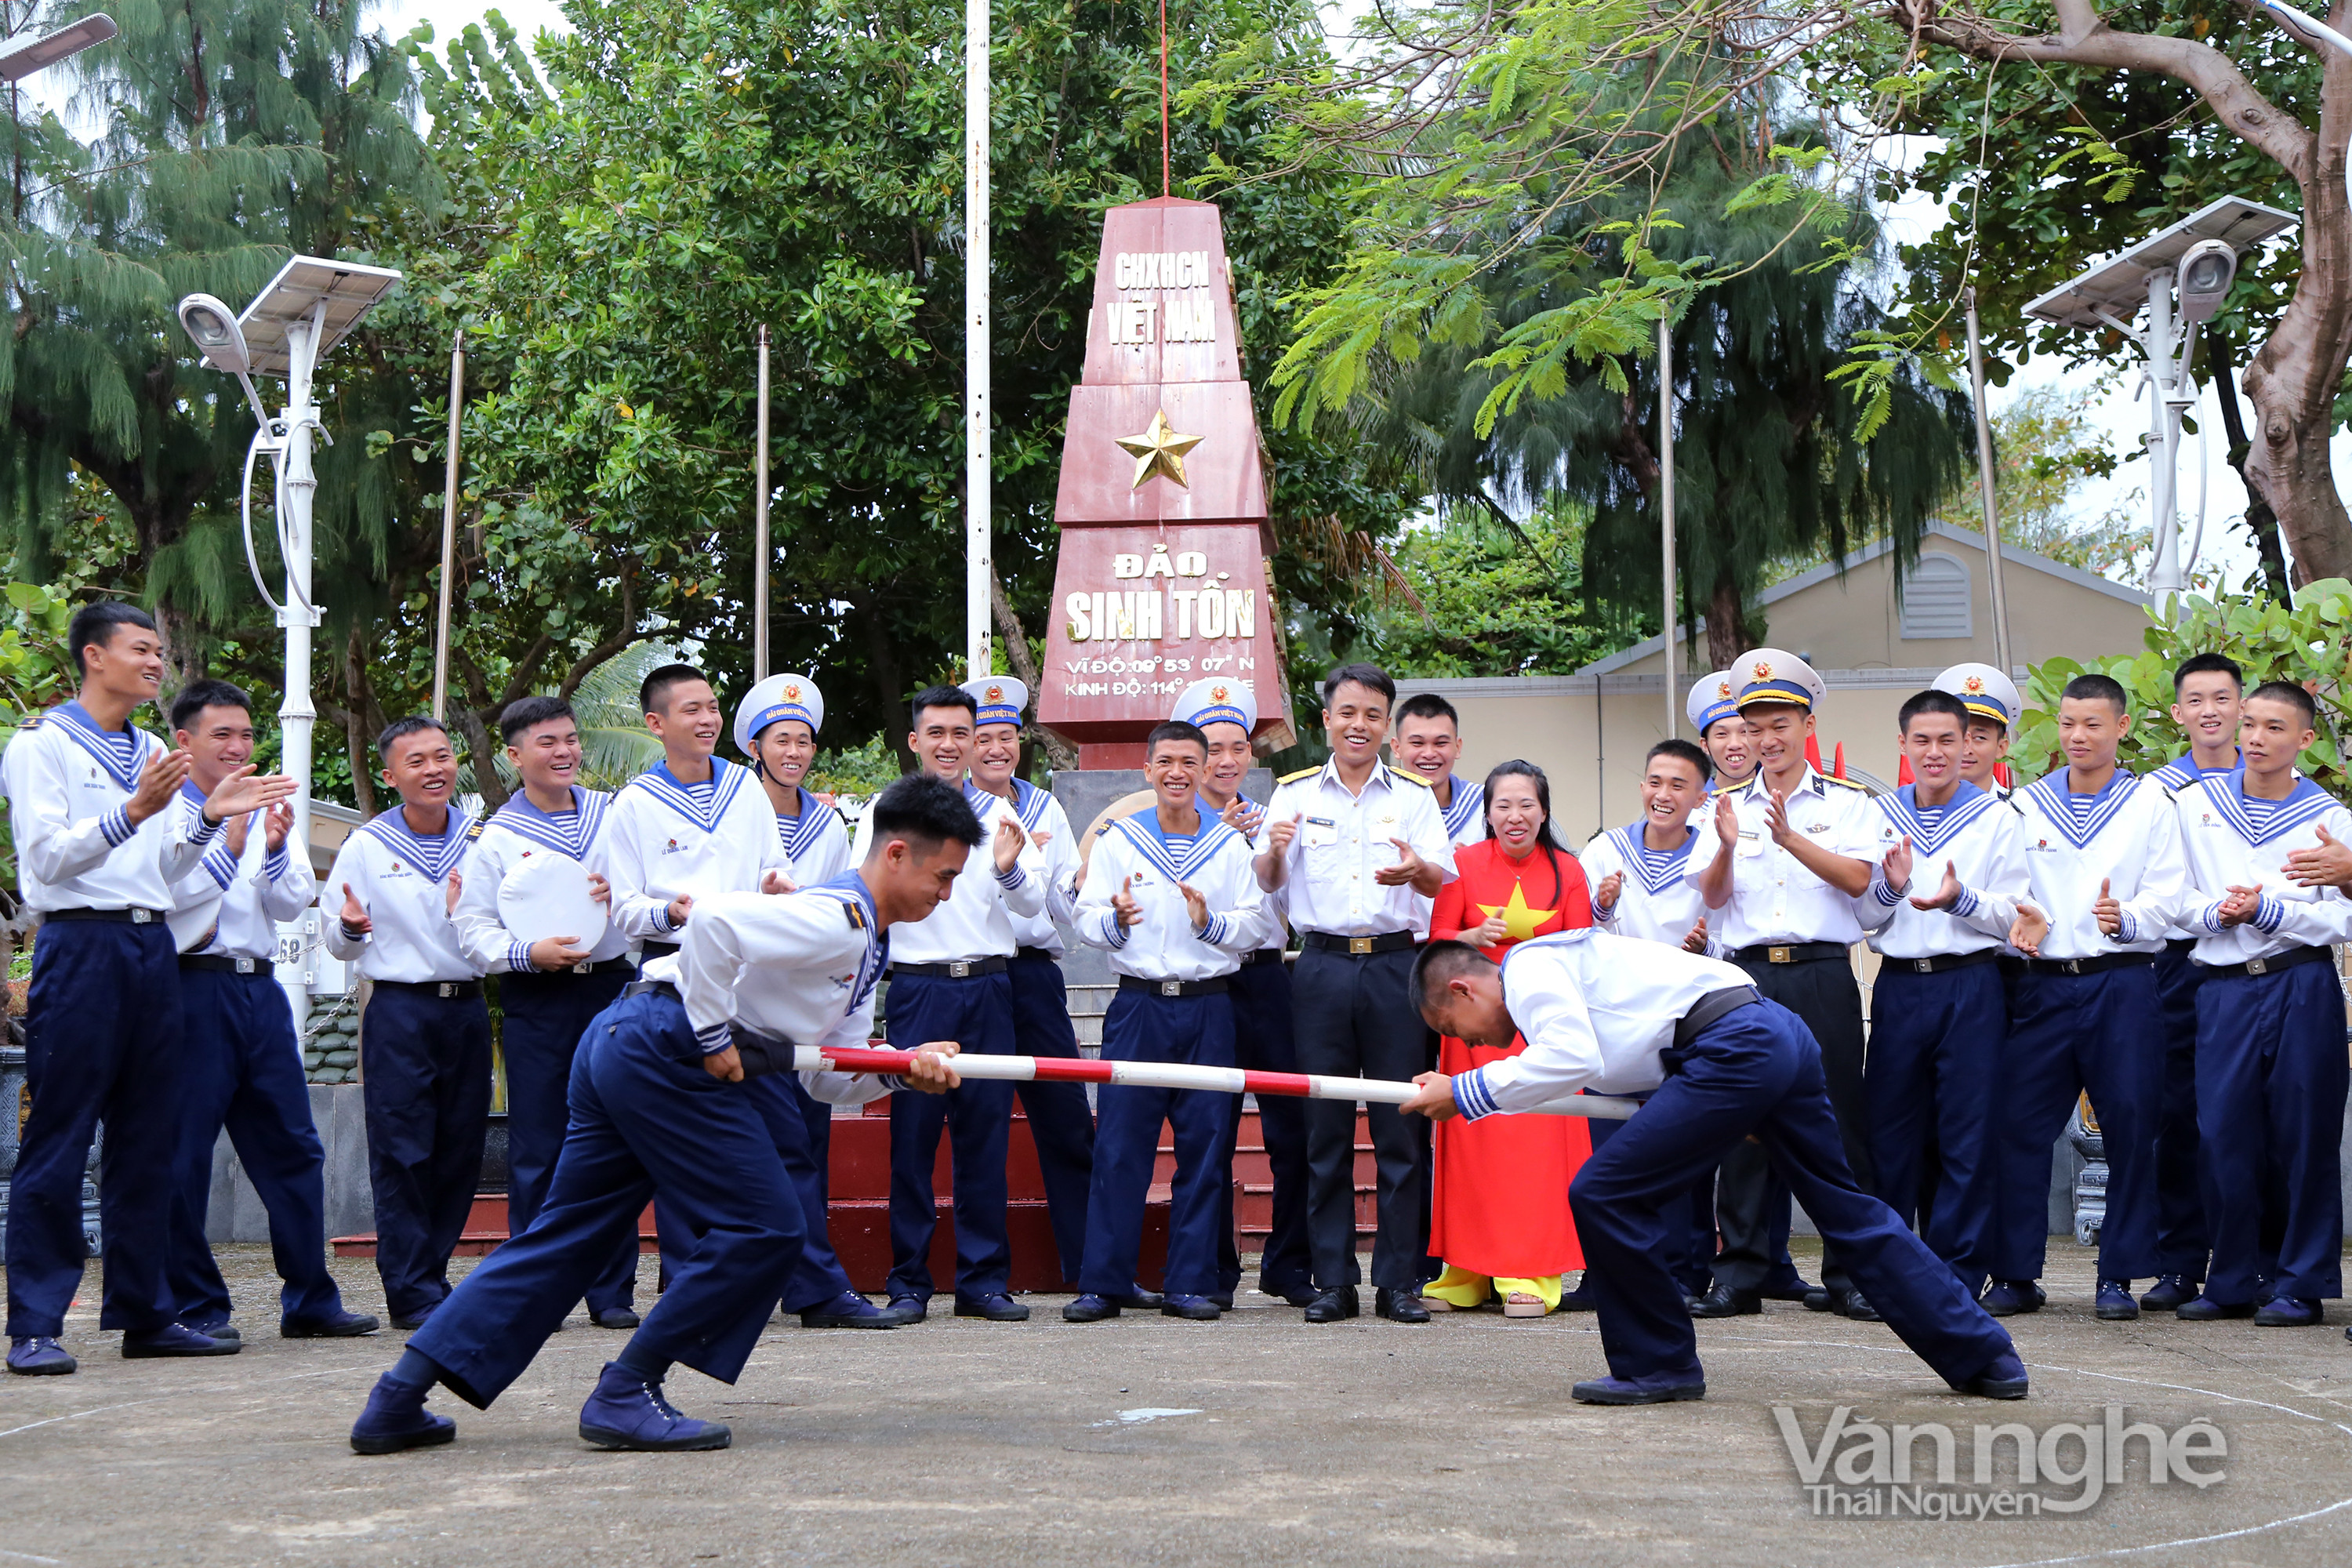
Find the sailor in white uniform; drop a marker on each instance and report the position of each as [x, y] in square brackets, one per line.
[777, 726]
[1994, 705]
[1429, 742]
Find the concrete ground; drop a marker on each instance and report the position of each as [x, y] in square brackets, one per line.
[1150, 1440]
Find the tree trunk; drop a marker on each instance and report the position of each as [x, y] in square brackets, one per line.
[1727, 625]
[890, 689]
[1058, 754]
[358, 743]
[2261, 521]
[469, 723]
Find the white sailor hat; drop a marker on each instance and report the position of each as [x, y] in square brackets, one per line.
[778, 698]
[1983, 691]
[1770, 674]
[1221, 700]
[1712, 701]
[1000, 698]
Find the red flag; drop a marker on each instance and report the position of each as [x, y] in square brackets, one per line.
[1903, 774]
[2000, 776]
[1814, 752]
[1837, 769]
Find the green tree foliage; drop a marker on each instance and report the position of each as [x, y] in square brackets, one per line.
[1494, 597]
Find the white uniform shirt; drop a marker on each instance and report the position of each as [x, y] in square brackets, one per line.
[67, 782]
[1465, 819]
[2229, 839]
[800, 967]
[231, 903]
[2177, 776]
[2128, 835]
[1976, 834]
[1163, 945]
[661, 842]
[816, 841]
[1655, 903]
[977, 920]
[1041, 813]
[402, 880]
[1343, 839]
[515, 833]
[1596, 1010]
[1774, 898]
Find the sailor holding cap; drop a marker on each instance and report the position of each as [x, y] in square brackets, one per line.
[1993, 706]
[1792, 851]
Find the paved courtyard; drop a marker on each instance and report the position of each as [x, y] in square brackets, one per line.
[1149, 1440]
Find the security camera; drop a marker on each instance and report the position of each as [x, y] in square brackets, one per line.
[2203, 280]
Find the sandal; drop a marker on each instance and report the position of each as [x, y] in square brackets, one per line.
[1520, 1304]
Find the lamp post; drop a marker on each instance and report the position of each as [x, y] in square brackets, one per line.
[303, 312]
[20, 57]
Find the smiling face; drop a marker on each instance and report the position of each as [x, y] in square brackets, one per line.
[548, 756]
[1174, 770]
[1515, 815]
[1981, 749]
[128, 666]
[422, 768]
[2089, 731]
[1229, 763]
[2271, 734]
[941, 740]
[2207, 707]
[1428, 746]
[1934, 742]
[1732, 747]
[220, 742]
[909, 877]
[1355, 718]
[786, 749]
[1671, 791]
[1779, 731]
[688, 720]
[995, 755]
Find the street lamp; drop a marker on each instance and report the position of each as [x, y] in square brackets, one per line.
[2179, 275]
[304, 311]
[20, 57]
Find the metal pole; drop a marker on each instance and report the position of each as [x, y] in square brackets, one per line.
[1984, 485]
[448, 527]
[296, 713]
[2164, 571]
[1666, 507]
[975, 339]
[760, 528]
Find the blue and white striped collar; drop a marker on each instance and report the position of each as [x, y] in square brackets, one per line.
[1902, 808]
[105, 745]
[2304, 803]
[1142, 830]
[726, 780]
[434, 857]
[2051, 794]
[2182, 771]
[1655, 876]
[850, 889]
[800, 833]
[1469, 800]
[572, 834]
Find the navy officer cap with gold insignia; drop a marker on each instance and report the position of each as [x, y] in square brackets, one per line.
[1768, 675]
[1983, 690]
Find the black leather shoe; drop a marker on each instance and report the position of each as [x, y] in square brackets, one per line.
[343, 1325]
[1090, 1308]
[1791, 1289]
[1853, 1305]
[1332, 1306]
[614, 1317]
[2170, 1293]
[1199, 1308]
[1302, 1297]
[998, 1309]
[911, 1309]
[1817, 1299]
[1139, 1298]
[1398, 1307]
[408, 1325]
[1723, 1301]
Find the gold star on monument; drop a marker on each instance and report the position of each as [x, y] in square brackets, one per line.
[1159, 450]
[1520, 921]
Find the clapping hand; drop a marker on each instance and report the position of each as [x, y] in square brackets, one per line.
[2240, 906]
[355, 915]
[1007, 846]
[1896, 865]
[276, 825]
[1407, 867]
[774, 881]
[1947, 892]
[2026, 932]
[1695, 940]
[2109, 912]
[2328, 865]
[1776, 818]
[1195, 907]
[1727, 825]
[456, 885]
[158, 781]
[1278, 837]
[1243, 815]
[1604, 897]
[1489, 932]
[1123, 905]
[244, 790]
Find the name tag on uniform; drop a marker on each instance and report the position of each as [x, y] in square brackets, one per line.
[1321, 832]
[1750, 843]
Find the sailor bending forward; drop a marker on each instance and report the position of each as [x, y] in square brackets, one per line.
[658, 1107]
[1718, 1064]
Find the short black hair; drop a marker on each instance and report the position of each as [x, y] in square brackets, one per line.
[1440, 962]
[1931, 701]
[198, 695]
[2294, 696]
[525, 712]
[2092, 687]
[653, 692]
[2208, 664]
[1428, 705]
[921, 808]
[942, 697]
[1370, 677]
[97, 624]
[1175, 730]
[1695, 755]
[400, 729]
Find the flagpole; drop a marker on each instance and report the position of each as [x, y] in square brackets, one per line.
[977, 569]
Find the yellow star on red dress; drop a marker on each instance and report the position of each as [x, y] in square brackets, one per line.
[1159, 450]
[1519, 922]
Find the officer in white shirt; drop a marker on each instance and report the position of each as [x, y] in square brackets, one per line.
[1172, 895]
[658, 1107]
[426, 1032]
[241, 1065]
[1719, 1065]
[1061, 1124]
[1429, 742]
[1793, 850]
[550, 989]
[1950, 873]
[1360, 850]
[949, 981]
[2103, 849]
[99, 845]
[2270, 1060]
[1226, 712]
[1994, 705]
[692, 824]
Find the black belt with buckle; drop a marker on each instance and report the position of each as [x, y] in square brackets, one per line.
[1262, 955]
[441, 990]
[2096, 965]
[1038, 954]
[953, 969]
[1941, 961]
[1710, 1008]
[2272, 965]
[131, 917]
[1330, 941]
[650, 950]
[222, 963]
[1172, 988]
[585, 966]
[1789, 953]
[758, 1054]
[2179, 943]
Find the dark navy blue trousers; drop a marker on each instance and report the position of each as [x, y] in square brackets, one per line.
[1260, 995]
[1061, 1122]
[2101, 1033]
[801, 1126]
[2271, 1082]
[426, 1067]
[544, 1018]
[1756, 1071]
[646, 1118]
[101, 1042]
[241, 1069]
[1751, 1202]
[1192, 1030]
[1935, 1045]
[2183, 1243]
[975, 1012]
[1350, 1019]
[1690, 1222]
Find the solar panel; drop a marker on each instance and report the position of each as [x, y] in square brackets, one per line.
[350, 290]
[2119, 286]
